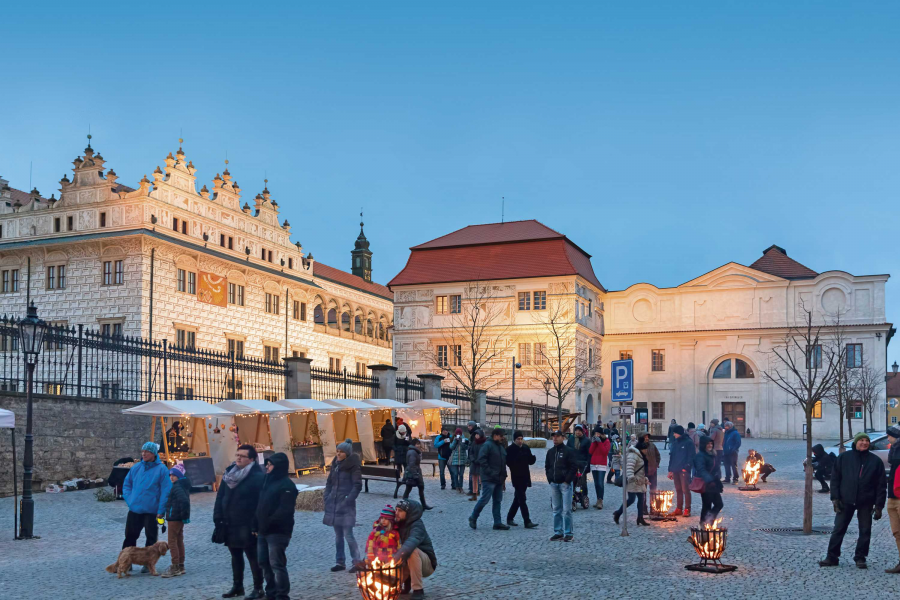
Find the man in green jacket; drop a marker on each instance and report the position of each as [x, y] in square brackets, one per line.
[492, 461]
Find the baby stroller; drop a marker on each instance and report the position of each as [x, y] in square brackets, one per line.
[580, 490]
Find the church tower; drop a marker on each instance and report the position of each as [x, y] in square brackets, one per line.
[362, 256]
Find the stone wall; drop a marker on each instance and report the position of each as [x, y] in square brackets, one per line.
[72, 438]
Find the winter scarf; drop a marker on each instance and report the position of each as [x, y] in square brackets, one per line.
[236, 475]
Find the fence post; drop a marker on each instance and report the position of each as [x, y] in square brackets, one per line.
[479, 410]
[346, 394]
[233, 382]
[432, 384]
[80, 332]
[387, 381]
[165, 370]
[298, 383]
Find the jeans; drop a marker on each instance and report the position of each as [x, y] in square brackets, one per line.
[599, 477]
[821, 478]
[340, 534]
[712, 504]
[682, 481]
[561, 503]
[632, 496]
[237, 566]
[489, 491]
[720, 460]
[842, 521]
[273, 562]
[442, 464]
[518, 503]
[456, 475]
[731, 466]
[134, 524]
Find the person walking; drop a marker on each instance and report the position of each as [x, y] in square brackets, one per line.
[599, 451]
[822, 463]
[857, 485]
[475, 443]
[414, 476]
[581, 444]
[718, 437]
[694, 435]
[341, 489]
[651, 455]
[442, 445]
[178, 514]
[471, 426]
[681, 458]
[560, 468]
[401, 445]
[614, 457]
[459, 447]
[492, 466]
[273, 525]
[416, 553]
[635, 481]
[669, 437]
[704, 467]
[146, 490]
[519, 460]
[233, 515]
[387, 439]
[731, 446]
[893, 491]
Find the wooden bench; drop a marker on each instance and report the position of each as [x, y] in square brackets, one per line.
[379, 473]
[430, 458]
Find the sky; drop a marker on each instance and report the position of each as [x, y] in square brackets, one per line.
[666, 139]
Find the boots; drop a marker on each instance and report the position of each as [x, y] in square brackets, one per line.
[894, 570]
[235, 591]
[172, 571]
[599, 504]
[422, 499]
[257, 594]
[641, 521]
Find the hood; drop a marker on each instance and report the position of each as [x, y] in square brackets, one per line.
[479, 432]
[818, 450]
[704, 440]
[413, 514]
[280, 462]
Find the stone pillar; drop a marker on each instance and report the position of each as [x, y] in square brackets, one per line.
[298, 383]
[387, 381]
[479, 410]
[432, 384]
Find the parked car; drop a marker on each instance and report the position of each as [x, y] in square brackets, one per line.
[880, 446]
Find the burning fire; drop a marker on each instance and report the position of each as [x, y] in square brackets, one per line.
[414, 423]
[661, 502]
[379, 581]
[751, 471]
[709, 541]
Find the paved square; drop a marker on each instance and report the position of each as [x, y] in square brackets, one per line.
[80, 536]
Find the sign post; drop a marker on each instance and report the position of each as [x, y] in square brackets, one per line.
[623, 391]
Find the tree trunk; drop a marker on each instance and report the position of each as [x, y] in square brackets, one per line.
[559, 414]
[864, 419]
[808, 483]
[841, 423]
[849, 421]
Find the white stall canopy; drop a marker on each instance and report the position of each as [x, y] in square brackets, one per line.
[359, 430]
[300, 405]
[346, 403]
[424, 416]
[7, 419]
[178, 408]
[253, 406]
[423, 404]
[384, 403]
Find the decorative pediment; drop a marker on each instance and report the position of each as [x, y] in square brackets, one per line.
[732, 275]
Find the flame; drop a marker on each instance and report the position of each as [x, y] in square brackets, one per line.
[413, 422]
[661, 502]
[378, 584]
[751, 471]
[709, 542]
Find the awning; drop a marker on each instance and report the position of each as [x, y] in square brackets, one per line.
[423, 404]
[346, 403]
[305, 405]
[7, 419]
[385, 403]
[242, 407]
[178, 408]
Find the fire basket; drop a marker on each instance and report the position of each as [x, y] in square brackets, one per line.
[661, 504]
[380, 580]
[709, 542]
[750, 474]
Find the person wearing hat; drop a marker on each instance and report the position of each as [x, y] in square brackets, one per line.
[581, 444]
[273, 526]
[492, 468]
[893, 490]
[857, 485]
[416, 553]
[343, 485]
[561, 468]
[178, 514]
[519, 460]
[681, 462]
[146, 490]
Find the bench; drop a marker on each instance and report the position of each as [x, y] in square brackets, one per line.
[430, 458]
[379, 473]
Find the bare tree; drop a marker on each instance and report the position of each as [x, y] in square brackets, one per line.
[474, 341]
[869, 380]
[561, 360]
[841, 394]
[804, 366]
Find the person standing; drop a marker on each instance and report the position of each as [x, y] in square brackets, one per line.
[146, 490]
[718, 437]
[475, 444]
[401, 446]
[893, 491]
[341, 489]
[273, 525]
[233, 514]
[471, 426]
[614, 457]
[581, 444]
[442, 444]
[635, 481]
[560, 468]
[599, 450]
[178, 514]
[387, 439]
[857, 485]
[681, 459]
[651, 455]
[704, 467]
[457, 463]
[416, 552]
[492, 466]
[669, 437]
[731, 446]
[414, 476]
[519, 460]
[694, 435]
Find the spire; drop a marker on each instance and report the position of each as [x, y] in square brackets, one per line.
[361, 255]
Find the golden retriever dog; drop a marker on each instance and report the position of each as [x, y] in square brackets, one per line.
[145, 557]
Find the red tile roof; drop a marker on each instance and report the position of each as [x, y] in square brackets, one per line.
[342, 277]
[775, 261]
[20, 196]
[517, 250]
[893, 385]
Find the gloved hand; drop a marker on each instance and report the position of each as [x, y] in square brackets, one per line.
[877, 514]
[838, 505]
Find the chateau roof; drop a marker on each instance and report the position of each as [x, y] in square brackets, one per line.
[323, 271]
[493, 251]
[21, 196]
[775, 261]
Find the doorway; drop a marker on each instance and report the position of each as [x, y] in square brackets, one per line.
[590, 411]
[736, 412]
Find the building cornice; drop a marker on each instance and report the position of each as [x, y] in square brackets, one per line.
[738, 331]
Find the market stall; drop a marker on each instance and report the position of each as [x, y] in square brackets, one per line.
[352, 420]
[260, 423]
[424, 416]
[306, 423]
[383, 410]
[194, 447]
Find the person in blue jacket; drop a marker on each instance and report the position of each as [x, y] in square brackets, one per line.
[731, 446]
[146, 490]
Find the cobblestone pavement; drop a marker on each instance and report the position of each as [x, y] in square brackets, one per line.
[80, 536]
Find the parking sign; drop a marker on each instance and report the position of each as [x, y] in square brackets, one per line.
[622, 380]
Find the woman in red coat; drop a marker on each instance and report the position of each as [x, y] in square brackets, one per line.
[599, 451]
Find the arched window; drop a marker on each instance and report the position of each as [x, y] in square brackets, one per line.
[345, 321]
[332, 318]
[357, 324]
[723, 371]
[318, 315]
[370, 328]
[743, 370]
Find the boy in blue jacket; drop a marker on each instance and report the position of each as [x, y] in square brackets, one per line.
[145, 490]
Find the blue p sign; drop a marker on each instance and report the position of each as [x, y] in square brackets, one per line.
[622, 380]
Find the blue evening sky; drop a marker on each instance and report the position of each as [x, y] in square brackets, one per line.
[664, 138]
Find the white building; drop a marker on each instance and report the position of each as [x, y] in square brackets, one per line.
[195, 268]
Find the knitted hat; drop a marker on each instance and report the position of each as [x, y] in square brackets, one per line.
[388, 513]
[177, 471]
[346, 446]
[894, 432]
[860, 436]
[518, 434]
[678, 429]
[471, 424]
[498, 431]
[580, 426]
[151, 447]
[458, 431]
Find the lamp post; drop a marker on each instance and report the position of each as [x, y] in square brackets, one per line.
[515, 366]
[31, 338]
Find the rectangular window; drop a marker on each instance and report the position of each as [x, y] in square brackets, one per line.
[658, 360]
[235, 294]
[5, 287]
[192, 283]
[290, 263]
[51, 278]
[442, 356]
[182, 279]
[455, 304]
[440, 305]
[184, 393]
[296, 310]
[334, 364]
[111, 390]
[270, 353]
[270, 256]
[175, 224]
[854, 356]
[272, 304]
[111, 329]
[814, 359]
[53, 338]
[360, 368]
[540, 354]
[856, 408]
[1, 231]
[236, 347]
[230, 243]
[893, 420]
[57, 225]
[222, 239]
[540, 300]
[525, 354]
[9, 343]
[56, 277]
[70, 223]
[103, 219]
[184, 227]
[185, 338]
[817, 410]
[524, 300]
[303, 311]
[234, 389]
[658, 410]
[14, 284]
[262, 253]
[53, 389]
[108, 272]
[456, 355]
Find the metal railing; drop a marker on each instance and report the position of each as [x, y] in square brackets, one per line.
[328, 384]
[409, 389]
[531, 418]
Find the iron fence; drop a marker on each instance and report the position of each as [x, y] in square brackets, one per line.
[328, 384]
[532, 419]
[81, 363]
[410, 389]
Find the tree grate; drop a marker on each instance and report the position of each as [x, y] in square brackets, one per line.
[794, 530]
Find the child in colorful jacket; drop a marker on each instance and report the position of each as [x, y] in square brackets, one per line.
[384, 540]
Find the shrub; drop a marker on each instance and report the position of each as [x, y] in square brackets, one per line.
[104, 495]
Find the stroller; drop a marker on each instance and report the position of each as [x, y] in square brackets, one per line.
[580, 490]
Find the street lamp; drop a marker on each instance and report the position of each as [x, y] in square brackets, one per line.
[516, 365]
[31, 338]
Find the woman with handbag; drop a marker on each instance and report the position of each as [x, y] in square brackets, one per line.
[706, 481]
[635, 481]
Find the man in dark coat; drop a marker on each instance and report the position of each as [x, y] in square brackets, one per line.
[492, 465]
[857, 485]
[681, 462]
[560, 468]
[416, 551]
[519, 460]
[274, 525]
[893, 503]
[581, 444]
[387, 439]
[730, 447]
[670, 439]
[341, 490]
[235, 509]
[823, 463]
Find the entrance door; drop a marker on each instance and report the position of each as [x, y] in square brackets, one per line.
[736, 412]
[590, 410]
